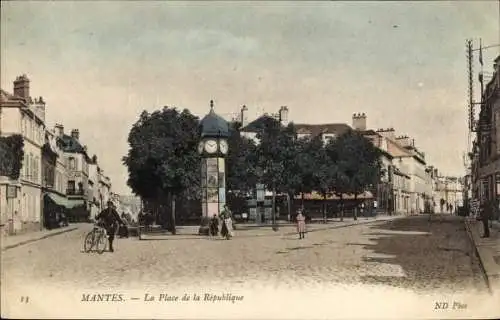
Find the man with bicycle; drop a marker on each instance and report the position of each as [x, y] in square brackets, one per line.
[109, 220]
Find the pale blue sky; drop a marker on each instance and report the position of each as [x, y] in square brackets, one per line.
[99, 64]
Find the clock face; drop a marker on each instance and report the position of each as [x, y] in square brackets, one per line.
[200, 147]
[211, 146]
[223, 146]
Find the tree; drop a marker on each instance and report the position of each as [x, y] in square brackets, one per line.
[12, 155]
[162, 158]
[276, 156]
[359, 164]
[324, 169]
[241, 161]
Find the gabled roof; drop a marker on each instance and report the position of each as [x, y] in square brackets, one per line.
[256, 125]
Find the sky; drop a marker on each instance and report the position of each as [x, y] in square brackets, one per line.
[99, 64]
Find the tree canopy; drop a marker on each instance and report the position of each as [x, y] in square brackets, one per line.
[241, 161]
[162, 157]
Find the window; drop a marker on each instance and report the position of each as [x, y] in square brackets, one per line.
[497, 131]
[32, 172]
[27, 166]
[72, 163]
[71, 187]
[35, 169]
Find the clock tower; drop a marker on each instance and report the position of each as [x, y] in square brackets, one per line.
[213, 148]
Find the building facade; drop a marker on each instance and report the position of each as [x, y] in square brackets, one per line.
[21, 200]
[485, 156]
[77, 161]
[448, 194]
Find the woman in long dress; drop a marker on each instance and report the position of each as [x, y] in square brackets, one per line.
[301, 224]
[227, 224]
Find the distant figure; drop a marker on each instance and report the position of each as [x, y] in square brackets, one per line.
[486, 210]
[301, 224]
[214, 226]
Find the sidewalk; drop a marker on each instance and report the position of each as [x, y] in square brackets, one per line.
[488, 251]
[8, 242]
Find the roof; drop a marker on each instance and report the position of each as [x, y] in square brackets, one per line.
[256, 125]
[214, 125]
[317, 129]
[72, 145]
[8, 97]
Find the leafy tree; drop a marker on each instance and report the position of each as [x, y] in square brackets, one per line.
[276, 155]
[358, 162]
[324, 169]
[241, 161]
[12, 155]
[162, 158]
[301, 174]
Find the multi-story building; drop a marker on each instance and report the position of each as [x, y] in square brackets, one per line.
[77, 165]
[93, 196]
[54, 180]
[104, 188]
[448, 194]
[21, 199]
[486, 151]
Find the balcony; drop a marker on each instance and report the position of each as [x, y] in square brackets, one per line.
[73, 192]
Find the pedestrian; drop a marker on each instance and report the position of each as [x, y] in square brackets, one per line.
[301, 224]
[214, 226]
[485, 216]
[110, 220]
[227, 224]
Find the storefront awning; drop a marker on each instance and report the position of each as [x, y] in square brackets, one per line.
[63, 202]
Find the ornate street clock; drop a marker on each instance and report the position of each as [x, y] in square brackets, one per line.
[213, 147]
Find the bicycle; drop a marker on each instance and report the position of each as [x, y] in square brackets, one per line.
[97, 238]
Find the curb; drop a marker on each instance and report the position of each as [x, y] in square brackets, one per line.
[481, 265]
[39, 238]
[352, 224]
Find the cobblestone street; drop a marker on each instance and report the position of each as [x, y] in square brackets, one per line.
[407, 253]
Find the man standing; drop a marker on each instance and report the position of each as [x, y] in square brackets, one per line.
[485, 216]
[110, 221]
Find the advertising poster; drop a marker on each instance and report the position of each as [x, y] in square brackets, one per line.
[203, 209]
[222, 165]
[212, 195]
[213, 208]
[222, 180]
[212, 179]
[212, 165]
[222, 195]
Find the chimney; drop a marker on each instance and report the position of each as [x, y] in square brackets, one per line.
[244, 116]
[22, 87]
[59, 130]
[404, 141]
[283, 115]
[75, 134]
[389, 133]
[359, 121]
